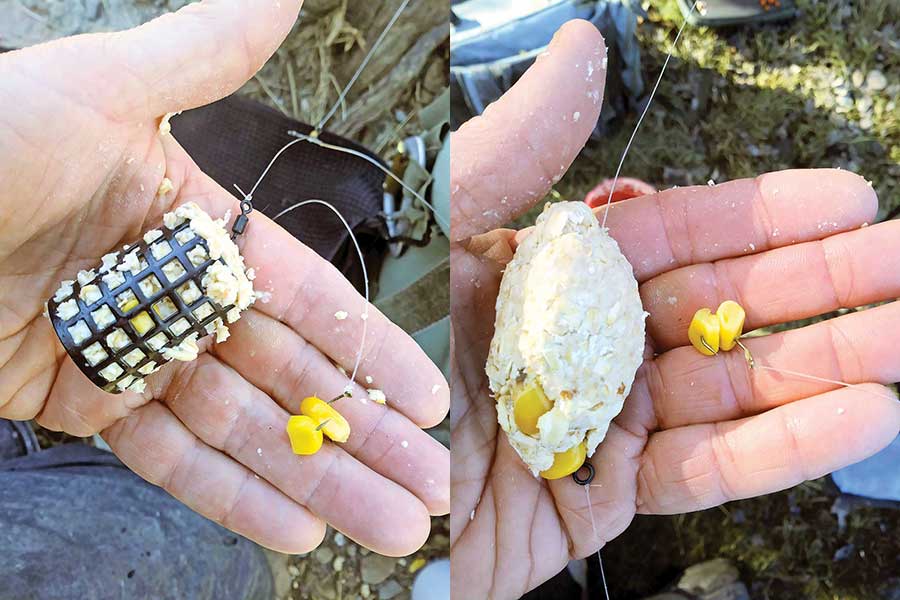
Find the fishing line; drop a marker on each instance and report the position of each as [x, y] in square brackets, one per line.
[362, 261]
[586, 482]
[644, 113]
[362, 66]
[317, 141]
[587, 492]
[823, 380]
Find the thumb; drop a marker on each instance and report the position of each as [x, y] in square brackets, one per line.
[199, 54]
[505, 160]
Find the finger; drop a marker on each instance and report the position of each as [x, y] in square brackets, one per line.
[307, 293]
[28, 371]
[506, 159]
[684, 226]
[687, 387]
[797, 282]
[280, 363]
[197, 55]
[159, 448]
[596, 513]
[699, 466]
[78, 407]
[236, 418]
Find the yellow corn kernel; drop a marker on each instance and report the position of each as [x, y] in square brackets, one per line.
[141, 322]
[566, 463]
[704, 332]
[305, 435]
[529, 405]
[416, 564]
[332, 423]
[731, 323]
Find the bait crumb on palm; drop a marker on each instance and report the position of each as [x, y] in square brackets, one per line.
[165, 187]
[341, 315]
[376, 396]
[369, 379]
[405, 444]
[165, 127]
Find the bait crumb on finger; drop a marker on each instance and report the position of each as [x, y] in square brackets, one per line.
[369, 379]
[341, 315]
[376, 396]
[165, 187]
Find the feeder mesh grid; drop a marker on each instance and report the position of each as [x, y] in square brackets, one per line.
[176, 309]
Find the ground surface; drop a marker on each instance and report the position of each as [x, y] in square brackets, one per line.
[821, 91]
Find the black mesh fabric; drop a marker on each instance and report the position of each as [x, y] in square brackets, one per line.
[234, 139]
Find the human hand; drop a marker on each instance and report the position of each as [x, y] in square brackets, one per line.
[696, 431]
[81, 162]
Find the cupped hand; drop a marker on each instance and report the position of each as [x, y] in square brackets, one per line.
[82, 160]
[696, 431]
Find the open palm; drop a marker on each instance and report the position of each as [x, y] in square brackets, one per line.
[82, 160]
[695, 431]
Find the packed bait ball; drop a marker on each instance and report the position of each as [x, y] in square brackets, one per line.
[568, 339]
[149, 303]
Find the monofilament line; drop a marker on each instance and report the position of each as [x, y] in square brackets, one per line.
[373, 162]
[362, 66]
[362, 261]
[300, 137]
[822, 380]
[590, 507]
[643, 114]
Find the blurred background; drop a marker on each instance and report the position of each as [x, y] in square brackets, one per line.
[815, 85]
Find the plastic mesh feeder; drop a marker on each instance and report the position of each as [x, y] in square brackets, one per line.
[143, 307]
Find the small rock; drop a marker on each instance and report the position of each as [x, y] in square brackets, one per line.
[364, 590]
[857, 78]
[876, 81]
[390, 589]
[294, 571]
[732, 591]
[351, 550]
[708, 576]
[324, 555]
[339, 539]
[324, 590]
[843, 553]
[338, 564]
[376, 568]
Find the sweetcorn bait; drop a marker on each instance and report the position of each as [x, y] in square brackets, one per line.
[568, 339]
[150, 302]
[710, 332]
[305, 435]
[316, 418]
